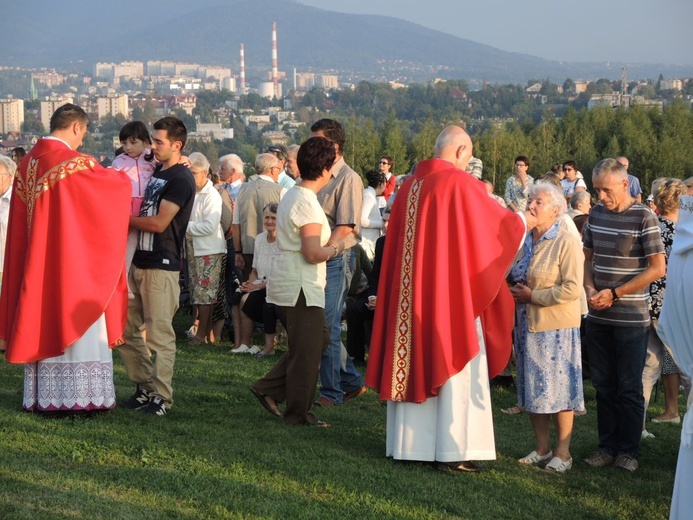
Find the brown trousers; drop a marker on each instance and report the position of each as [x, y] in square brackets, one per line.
[295, 375]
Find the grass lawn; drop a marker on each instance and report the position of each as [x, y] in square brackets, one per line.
[219, 454]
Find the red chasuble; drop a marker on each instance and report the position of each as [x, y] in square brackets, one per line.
[448, 248]
[65, 259]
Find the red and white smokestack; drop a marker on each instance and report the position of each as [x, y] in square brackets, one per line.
[275, 71]
[242, 69]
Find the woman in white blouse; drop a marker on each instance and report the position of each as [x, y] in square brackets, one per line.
[297, 287]
[371, 221]
[205, 246]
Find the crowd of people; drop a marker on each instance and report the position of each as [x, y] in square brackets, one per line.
[434, 312]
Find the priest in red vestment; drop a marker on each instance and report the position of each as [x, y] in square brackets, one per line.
[64, 297]
[444, 315]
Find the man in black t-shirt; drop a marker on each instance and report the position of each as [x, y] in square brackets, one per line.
[155, 269]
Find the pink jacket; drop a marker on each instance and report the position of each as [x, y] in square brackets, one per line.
[139, 170]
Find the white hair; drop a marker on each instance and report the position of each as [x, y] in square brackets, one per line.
[9, 164]
[555, 195]
[232, 162]
[199, 161]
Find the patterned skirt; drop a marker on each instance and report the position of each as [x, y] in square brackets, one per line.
[79, 380]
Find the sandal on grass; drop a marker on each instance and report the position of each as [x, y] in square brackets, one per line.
[513, 410]
[267, 402]
[559, 465]
[535, 458]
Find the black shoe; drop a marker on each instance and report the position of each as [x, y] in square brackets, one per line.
[503, 381]
[138, 400]
[156, 406]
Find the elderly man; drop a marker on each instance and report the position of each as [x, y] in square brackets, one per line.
[247, 211]
[634, 188]
[64, 292]
[623, 255]
[444, 316]
[291, 166]
[281, 153]
[7, 170]
[231, 174]
[341, 200]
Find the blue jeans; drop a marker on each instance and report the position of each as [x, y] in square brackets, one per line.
[335, 380]
[617, 359]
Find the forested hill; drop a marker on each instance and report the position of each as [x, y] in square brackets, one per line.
[49, 33]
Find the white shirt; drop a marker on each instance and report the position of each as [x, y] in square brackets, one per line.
[204, 225]
[263, 254]
[371, 221]
[569, 187]
[290, 272]
[4, 218]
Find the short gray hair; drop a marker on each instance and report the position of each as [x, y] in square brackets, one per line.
[264, 162]
[9, 164]
[555, 195]
[611, 166]
[231, 161]
[292, 150]
[198, 161]
[579, 197]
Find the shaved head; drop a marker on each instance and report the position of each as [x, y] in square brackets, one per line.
[454, 145]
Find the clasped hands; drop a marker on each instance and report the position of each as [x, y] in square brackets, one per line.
[521, 293]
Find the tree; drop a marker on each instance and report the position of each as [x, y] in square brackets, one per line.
[33, 126]
[424, 141]
[394, 143]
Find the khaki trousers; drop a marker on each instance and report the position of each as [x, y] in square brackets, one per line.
[156, 293]
[295, 375]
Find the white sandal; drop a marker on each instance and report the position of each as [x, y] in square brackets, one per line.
[534, 458]
[559, 465]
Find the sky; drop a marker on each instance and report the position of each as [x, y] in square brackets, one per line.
[630, 31]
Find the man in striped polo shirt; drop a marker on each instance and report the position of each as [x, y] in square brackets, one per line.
[623, 255]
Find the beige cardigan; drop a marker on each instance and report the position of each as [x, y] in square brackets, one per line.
[555, 276]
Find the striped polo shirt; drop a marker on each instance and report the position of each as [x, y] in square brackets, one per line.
[621, 243]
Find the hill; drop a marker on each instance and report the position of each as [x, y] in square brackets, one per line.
[210, 31]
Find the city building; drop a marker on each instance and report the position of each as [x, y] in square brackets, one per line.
[11, 115]
[113, 105]
[48, 106]
[213, 129]
[327, 81]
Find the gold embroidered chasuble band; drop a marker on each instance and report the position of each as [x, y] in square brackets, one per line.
[403, 324]
[29, 189]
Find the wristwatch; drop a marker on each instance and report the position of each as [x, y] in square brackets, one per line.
[614, 296]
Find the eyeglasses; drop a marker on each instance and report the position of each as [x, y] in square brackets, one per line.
[520, 164]
[568, 169]
[384, 162]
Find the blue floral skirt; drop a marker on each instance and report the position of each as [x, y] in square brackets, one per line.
[549, 367]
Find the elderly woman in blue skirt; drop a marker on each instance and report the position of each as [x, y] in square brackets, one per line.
[546, 283]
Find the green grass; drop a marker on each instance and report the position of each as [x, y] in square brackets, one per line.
[218, 454]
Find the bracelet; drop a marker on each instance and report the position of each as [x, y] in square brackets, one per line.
[614, 296]
[238, 252]
[336, 250]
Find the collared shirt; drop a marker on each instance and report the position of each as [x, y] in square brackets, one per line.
[285, 180]
[341, 200]
[232, 188]
[4, 217]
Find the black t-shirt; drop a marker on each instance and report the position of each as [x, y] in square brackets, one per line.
[164, 250]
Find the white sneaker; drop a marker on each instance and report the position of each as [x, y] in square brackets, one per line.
[646, 435]
[240, 350]
[254, 350]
